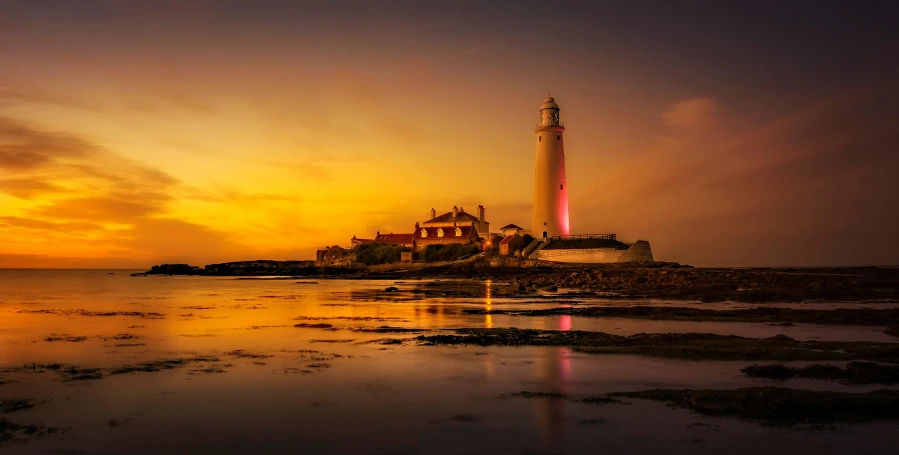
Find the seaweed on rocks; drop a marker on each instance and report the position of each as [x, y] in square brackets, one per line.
[74, 373]
[676, 345]
[86, 313]
[70, 373]
[527, 394]
[306, 325]
[601, 399]
[160, 365]
[65, 337]
[351, 318]
[769, 315]
[15, 432]
[241, 354]
[15, 404]
[854, 373]
[388, 329]
[781, 406]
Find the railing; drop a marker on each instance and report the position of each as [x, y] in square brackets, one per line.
[575, 252]
[548, 126]
[585, 236]
[529, 250]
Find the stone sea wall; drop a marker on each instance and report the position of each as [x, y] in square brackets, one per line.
[638, 252]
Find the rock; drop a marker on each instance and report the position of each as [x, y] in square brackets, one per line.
[780, 337]
[862, 368]
[392, 289]
[305, 325]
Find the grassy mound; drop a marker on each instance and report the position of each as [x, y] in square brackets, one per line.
[377, 253]
[448, 252]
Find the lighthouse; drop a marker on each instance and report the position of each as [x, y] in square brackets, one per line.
[550, 186]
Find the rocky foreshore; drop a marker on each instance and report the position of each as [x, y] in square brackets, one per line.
[658, 280]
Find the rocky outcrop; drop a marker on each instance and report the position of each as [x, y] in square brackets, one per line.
[640, 251]
[672, 281]
[173, 269]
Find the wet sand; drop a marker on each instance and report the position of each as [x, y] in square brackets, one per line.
[216, 364]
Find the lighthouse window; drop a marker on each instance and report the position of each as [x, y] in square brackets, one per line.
[559, 137]
[560, 187]
[539, 138]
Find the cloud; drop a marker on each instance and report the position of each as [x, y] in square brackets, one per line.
[83, 196]
[27, 188]
[808, 187]
[689, 113]
[41, 225]
[23, 148]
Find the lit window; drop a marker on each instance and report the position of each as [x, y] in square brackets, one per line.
[424, 232]
[458, 232]
[440, 232]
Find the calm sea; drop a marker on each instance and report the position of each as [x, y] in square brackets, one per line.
[121, 364]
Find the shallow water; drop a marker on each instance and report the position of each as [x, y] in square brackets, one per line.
[314, 390]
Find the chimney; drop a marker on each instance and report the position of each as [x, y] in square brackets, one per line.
[416, 225]
[433, 214]
[377, 234]
[481, 221]
[455, 211]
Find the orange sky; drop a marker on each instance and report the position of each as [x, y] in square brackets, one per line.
[210, 131]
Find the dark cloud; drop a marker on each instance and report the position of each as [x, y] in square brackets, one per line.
[23, 148]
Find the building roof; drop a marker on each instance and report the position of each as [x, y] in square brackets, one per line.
[448, 218]
[510, 226]
[508, 239]
[358, 240]
[584, 244]
[394, 239]
[448, 232]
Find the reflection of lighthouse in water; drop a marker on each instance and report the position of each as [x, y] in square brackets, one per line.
[554, 370]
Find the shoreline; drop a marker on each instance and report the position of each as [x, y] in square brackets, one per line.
[623, 281]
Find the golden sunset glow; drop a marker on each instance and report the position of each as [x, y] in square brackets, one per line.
[196, 132]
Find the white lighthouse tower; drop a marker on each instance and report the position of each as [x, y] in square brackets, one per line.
[550, 186]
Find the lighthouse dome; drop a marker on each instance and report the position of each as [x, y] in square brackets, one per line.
[549, 103]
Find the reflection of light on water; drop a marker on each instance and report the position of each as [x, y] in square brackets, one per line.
[564, 365]
[488, 302]
[565, 322]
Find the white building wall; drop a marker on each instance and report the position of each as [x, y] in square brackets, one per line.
[585, 256]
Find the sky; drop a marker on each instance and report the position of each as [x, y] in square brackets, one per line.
[725, 133]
